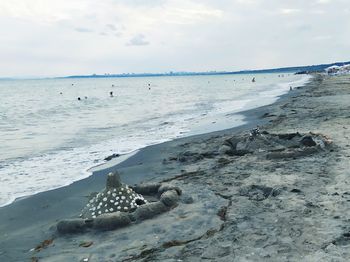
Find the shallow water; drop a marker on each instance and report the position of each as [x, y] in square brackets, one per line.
[49, 139]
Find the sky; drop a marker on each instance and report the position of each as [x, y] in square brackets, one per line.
[73, 37]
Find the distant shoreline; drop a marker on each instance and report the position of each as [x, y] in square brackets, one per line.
[296, 70]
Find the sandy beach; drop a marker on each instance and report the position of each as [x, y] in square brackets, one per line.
[259, 205]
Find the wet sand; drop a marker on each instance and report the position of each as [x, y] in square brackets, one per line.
[230, 218]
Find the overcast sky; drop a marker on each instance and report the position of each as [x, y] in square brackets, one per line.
[66, 37]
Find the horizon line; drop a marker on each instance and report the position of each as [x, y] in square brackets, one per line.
[178, 73]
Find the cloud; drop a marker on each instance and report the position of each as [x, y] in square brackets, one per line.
[83, 30]
[209, 35]
[138, 40]
[288, 11]
[322, 37]
[111, 27]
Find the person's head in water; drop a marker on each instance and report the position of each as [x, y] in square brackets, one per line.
[111, 93]
[79, 98]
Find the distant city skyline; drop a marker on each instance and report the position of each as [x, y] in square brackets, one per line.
[83, 37]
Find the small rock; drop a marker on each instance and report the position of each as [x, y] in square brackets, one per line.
[86, 244]
[108, 158]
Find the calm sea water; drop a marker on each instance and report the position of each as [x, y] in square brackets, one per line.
[49, 139]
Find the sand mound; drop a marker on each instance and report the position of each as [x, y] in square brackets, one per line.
[275, 146]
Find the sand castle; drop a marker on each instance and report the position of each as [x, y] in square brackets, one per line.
[119, 205]
[274, 146]
[115, 197]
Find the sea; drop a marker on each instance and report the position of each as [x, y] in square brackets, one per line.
[49, 138]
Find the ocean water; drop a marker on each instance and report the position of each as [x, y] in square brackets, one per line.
[49, 139]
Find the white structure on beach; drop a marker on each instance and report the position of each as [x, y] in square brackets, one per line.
[338, 70]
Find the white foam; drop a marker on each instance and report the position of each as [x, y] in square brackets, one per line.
[61, 168]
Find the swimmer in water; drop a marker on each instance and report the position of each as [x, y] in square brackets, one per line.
[111, 94]
[253, 80]
[79, 98]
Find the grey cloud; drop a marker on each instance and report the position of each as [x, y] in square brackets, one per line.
[83, 30]
[117, 34]
[111, 27]
[138, 40]
[114, 30]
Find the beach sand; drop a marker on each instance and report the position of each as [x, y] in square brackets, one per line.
[233, 208]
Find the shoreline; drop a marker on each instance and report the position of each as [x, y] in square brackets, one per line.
[19, 208]
[41, 210]
[217, 122]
